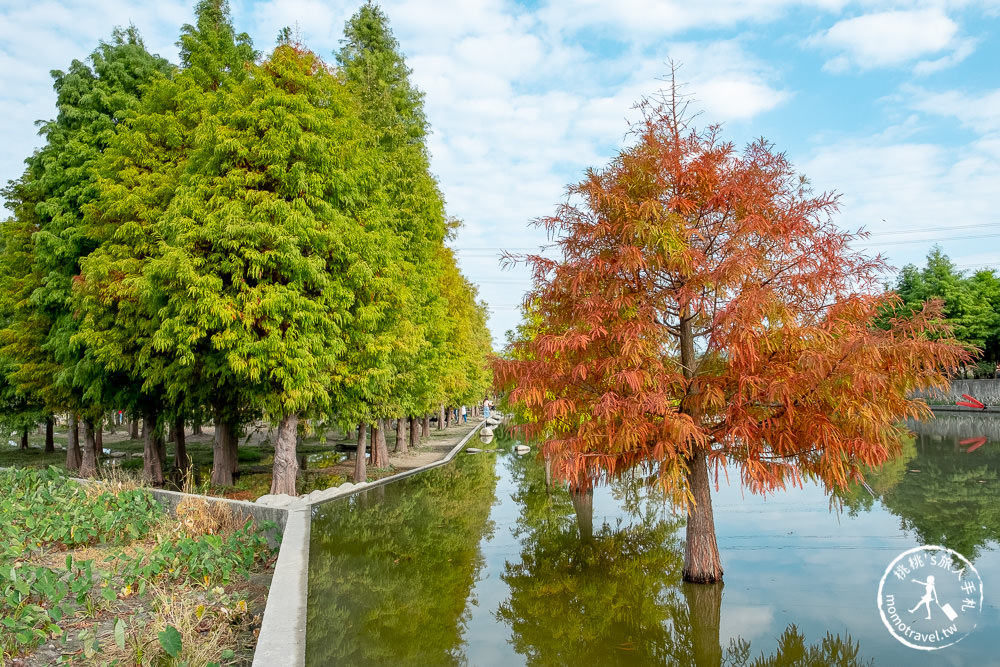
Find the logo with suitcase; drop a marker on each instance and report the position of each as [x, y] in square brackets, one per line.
[930, 597]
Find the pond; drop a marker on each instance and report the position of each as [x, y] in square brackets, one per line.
[482, 563]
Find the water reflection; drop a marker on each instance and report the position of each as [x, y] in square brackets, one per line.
[946, 486]
[390, 569]
[464, 566]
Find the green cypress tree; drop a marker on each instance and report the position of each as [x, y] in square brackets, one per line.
[93, 100]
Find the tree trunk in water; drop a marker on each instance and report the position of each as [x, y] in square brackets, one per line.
[426, 430]
[360, 474]
[704, 603]
[583, 505]
[88, 465]
[380, 452]
[414, 432]
[24, 438]
[50, 442]
[181, 461]
[401, 447]
[152, 466]
[73, 454]
[441, 418]
[702, 564]
[222, 454]
[133, 429]
[286, 465]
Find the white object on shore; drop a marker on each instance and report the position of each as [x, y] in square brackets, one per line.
[521, 449]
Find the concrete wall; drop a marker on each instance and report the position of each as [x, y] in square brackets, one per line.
[987, 391]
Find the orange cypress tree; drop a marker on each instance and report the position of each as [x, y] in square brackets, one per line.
[706, 311]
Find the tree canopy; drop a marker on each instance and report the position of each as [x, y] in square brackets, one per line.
[706, 312]
[240, 236]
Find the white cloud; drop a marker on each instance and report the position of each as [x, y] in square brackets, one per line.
[980, 112]
[909, 194]
[892, 38]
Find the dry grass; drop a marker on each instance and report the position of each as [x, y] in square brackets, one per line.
[208, 621]
[198, 516]
[115, 480]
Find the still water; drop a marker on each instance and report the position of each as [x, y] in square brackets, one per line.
[482, 563]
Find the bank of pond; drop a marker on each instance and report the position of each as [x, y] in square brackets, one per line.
[483, 562]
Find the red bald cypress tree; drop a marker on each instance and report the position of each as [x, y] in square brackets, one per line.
[706, 312]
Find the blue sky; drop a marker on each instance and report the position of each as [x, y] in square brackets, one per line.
[895, 105]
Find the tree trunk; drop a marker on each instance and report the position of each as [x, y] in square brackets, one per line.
[222, 454]
[702, 564]
[234, 447]
[414, 432]
[360, 474]
[73, 454]
[426, 430]
[286, 465]
[50, 442]
[400, 446]
[181, 461]
[133, 429]
[24, 438]
[583, 506]
[152, 466]
[704, 604]
[99, 441]
[441, 418]
[196, 428]
[111, 423]
[88, 465]
[380, 452]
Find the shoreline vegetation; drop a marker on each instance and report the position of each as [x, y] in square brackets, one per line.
[100, 574]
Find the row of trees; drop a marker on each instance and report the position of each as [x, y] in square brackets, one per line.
[235, 238]
[971, 303]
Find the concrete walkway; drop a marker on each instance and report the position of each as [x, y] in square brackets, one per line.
[282, 640]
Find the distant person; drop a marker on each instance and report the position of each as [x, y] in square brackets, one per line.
[486, 408]
[465, 416]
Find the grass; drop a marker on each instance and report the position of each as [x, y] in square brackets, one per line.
[90, 574]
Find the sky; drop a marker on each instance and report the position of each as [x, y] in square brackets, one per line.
[894, 105]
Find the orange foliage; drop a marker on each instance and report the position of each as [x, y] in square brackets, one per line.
[705, 303]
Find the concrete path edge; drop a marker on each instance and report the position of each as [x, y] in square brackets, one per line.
[282, 639]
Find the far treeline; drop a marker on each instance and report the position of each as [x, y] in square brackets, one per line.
[240, 237]
[971, 305]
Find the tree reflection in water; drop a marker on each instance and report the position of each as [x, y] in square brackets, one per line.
[942, 490]
[613, 595]
[394, 573]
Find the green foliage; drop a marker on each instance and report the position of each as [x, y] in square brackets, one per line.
[206, 559]
[47, 237]
[971, 303]
[44, 511]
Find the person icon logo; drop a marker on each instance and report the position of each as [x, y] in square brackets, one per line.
[946, 610]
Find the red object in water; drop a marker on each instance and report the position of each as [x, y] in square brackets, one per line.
[975, 442]
[970, 403]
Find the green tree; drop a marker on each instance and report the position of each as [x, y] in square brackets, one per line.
[970, 304]
[39, 320]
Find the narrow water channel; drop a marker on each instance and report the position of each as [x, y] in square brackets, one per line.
[482, 563]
